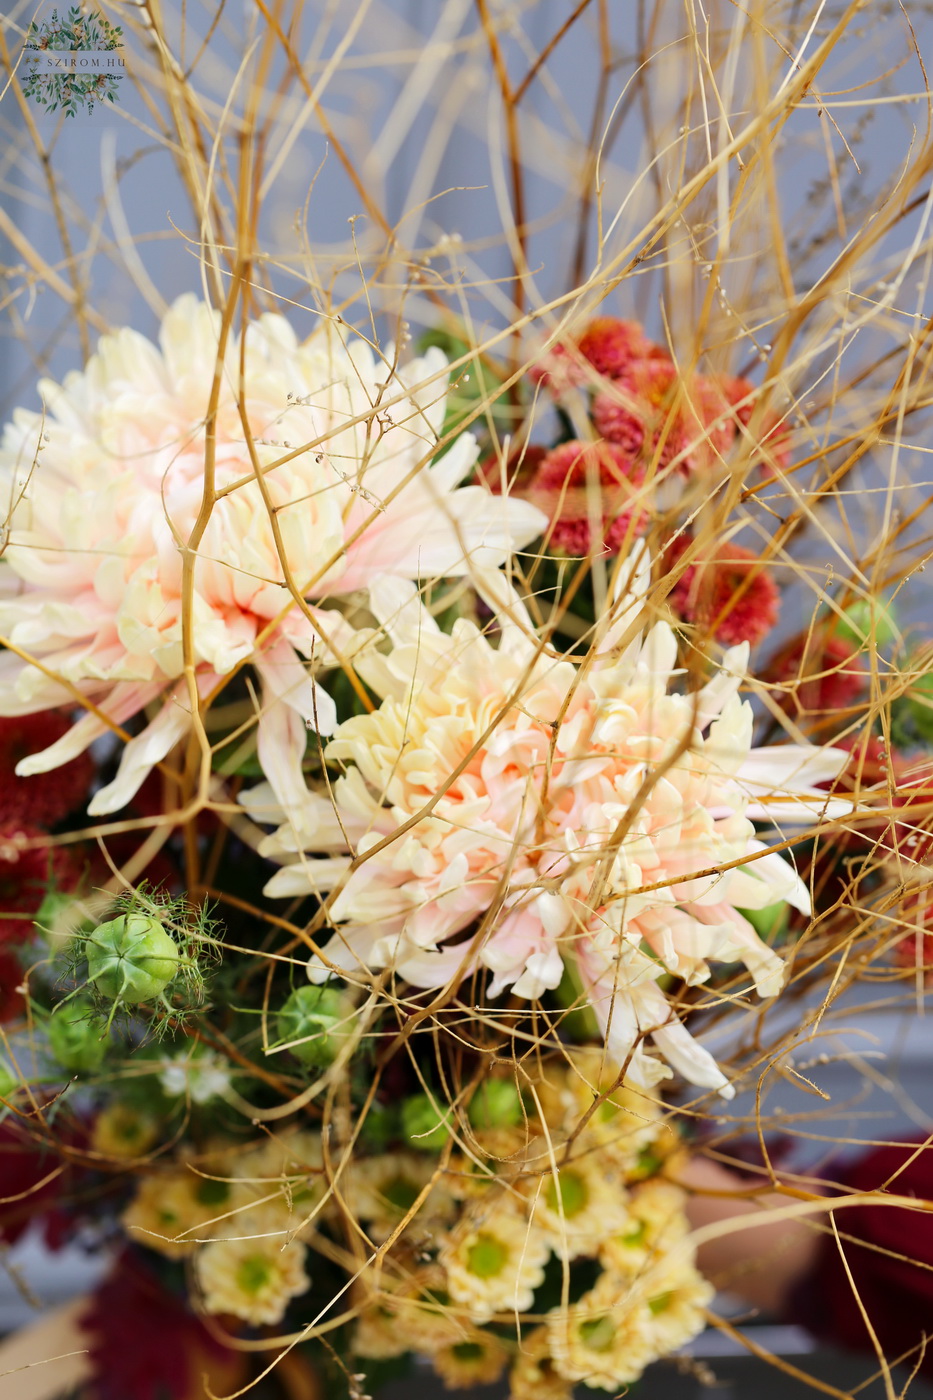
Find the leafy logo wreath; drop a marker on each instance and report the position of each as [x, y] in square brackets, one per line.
[71, 62]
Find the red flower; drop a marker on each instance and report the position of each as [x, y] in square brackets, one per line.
[520, 467]
[12, 1001]
[26, 874]
[821, 673]
[45, 798]
[652, 407]
[145, 1343]
[611, 345]
[32, 1188]
[563, 487]
[773, 435]
[607, 344]
[727, 589]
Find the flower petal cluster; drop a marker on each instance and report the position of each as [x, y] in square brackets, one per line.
[551, 813]
[318, 457]
[252, 1278]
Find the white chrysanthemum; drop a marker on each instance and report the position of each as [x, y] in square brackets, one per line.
[604, 1339]
[606, 819]
[255, 1278]
[108, 486]
[494, 1260]
[200, 1077]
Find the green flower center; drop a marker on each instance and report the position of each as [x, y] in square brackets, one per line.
[401, 1193]
[636, 1235]
[649, 1163]
[468, 1351]
[660, 1303]
[254, 1273]
[212, 1193]
[569, 1191]
[597, 1333]
[487, 1256]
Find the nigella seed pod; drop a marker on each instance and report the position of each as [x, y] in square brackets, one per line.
[496, 1104]
[315, 1018]
[423, 1125]
[76, 1040]
[132, 958]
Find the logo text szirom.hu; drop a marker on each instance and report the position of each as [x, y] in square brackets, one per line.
[73, 61]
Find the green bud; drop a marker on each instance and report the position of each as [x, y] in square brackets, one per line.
[9, 1082]
[132, 958]
[75, 1038]
[423, 1125]
[769, 923]
[380, 1125]
[920, 706]
[317, 1018]
[855, 625]
[496, 1104]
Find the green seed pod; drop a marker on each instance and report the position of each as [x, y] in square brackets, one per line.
[920, 706]
[317, 1018]
[855, 625]
[131, 958]
[75, 1038]
[9, 1082]
[496, 1104]
[422, 1124]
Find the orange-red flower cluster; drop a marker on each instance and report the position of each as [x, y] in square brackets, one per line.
[726, 589]
[646, 405]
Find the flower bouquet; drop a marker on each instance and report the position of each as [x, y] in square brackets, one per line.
[415, 811]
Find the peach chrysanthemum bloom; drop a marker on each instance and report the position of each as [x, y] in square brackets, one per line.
[526, 788]
[320, 459]
[255, 1278]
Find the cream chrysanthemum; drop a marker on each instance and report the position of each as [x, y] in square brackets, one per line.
[171, 1211]
[656, 1220]
[494, 1260]
[608, 821]
[479, 1359]
[533, 1376]
[676, 1295]
[382, 1190]
[252, 1278]
[603, 1340]
[122, 1131]
[108, 484]
[408, 1313]
[495, 1155]
[582, 1099]
[284, 1178]
[577, 1203]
